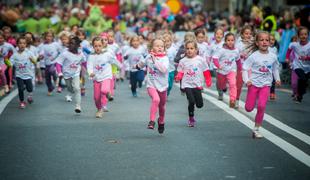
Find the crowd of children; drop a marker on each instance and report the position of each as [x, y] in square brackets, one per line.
[68, 59]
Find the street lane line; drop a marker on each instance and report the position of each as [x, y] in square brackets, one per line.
[287, 147]
[299, 135]
[6, 100]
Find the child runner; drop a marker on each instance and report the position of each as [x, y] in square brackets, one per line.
[227, 61]
[64, 37]
[49, 53]
[274, 49]
[264, 66]
[30, 39]
[290, 56]
[301, 63]
[171, 53]
[86, 49]
[191, 69]
[100, 70]
[157, 82]
[69, 66]
[6, 50]
[113, 47]
[246, 36]
[133, 55]
[215, 46]
[23, 61]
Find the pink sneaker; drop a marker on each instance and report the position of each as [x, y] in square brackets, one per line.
[191, 122]
[29, 99]
[22, 105]
[59, 89]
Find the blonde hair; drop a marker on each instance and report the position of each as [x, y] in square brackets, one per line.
[151, 45]
[189, 36]
[252, 47]
[64, 34]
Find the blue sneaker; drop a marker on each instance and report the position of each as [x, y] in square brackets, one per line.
[134, 94]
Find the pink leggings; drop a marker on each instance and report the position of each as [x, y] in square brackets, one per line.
[259, 94]
[231, 78]
[239, 84]
[101, 89]
[158, 102]
[112, 85]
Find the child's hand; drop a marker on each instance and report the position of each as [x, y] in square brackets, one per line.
[92, 75]
[249, 83]
[278, 83]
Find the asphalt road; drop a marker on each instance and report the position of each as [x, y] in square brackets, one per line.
[48, 141]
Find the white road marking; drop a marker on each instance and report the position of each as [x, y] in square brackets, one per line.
[6, 100]
[289, 148]
[299, 135]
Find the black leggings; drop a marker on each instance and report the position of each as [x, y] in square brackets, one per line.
[194, 97]
[21, 83]
[302, 82]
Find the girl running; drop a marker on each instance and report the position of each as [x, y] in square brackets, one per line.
[6, 50]
[290, 56]
[23, 61]
[68, 66]
[246, 36]
[49, 53]
[171, 53]
[191, 69]
[274, 49]
[264, 66]
[133, 55]
[227, 61]
[301, 62]
[100, 70]
[157, 82]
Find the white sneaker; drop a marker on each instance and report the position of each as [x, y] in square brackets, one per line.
[237, 104]
[257, 135]
[105, 109]
[99, 113]
[77, 109]
[69, 98]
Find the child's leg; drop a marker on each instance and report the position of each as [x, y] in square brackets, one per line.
[170, 81]
[20, 86]
[263, 94]
[76, 90]
[105, 89]
[231, 77]
[239, 82]
[97, 94]
[9, 76]
[69, 85]
[221, 81]
[162, 106]
[133, 82]
[48, 78]
[198, 97]
[251, 97]
[191, 101]
[155, 102]
[294, 79]
[302, 82]
[273, 86]
[112, 84]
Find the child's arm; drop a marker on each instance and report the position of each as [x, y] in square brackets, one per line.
[245, 68]
[113, 60]
[180, 72]
[275, 72]
[90, 66]
[161, 66]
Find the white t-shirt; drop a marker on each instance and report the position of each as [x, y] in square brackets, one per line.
[156, 78]
[299, 51]
[71, 63]
[214, 47]
[23, 65]
[242, 47]
[263, 68]
[5, 48]
[100, 65]
[227, 59]
[193, 69]
[171, 53]
[134, 55]
[204, 50]
[49, 52]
